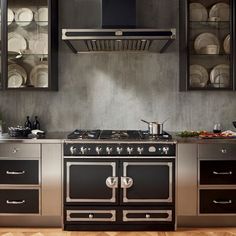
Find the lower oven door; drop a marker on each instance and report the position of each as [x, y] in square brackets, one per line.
[90, 182]
[148, 181]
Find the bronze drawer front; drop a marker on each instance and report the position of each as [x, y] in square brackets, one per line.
[19, 150]
[217, 172]
[19, 172]
[19, 201]
[217, 150]
[218, 201]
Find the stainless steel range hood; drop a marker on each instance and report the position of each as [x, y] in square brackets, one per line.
[118, 32]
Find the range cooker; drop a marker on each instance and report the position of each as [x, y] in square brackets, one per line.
[119, 180]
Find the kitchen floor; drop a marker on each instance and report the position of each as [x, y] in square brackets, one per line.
[59, 232]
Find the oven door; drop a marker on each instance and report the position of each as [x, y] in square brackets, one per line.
[148, 181]
[90, 182]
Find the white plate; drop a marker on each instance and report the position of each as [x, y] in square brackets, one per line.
[24, 16]
[227, 44]
[220, 10]
[197, 12]
[203, 40]
[10, 16]
[17, 76]
[39, 76]
[39, 44]
[41, 16]
[198, 76]
[220, 76]
[16, 42]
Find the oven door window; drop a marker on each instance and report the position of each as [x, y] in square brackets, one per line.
[147, 182]
[91, 182]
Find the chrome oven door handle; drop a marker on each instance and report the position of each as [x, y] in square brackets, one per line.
[15, 202]
[126, 182]
[15, 172]
[222, 173]
[112, 182]
[222, 202]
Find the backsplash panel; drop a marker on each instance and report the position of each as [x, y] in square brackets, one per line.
[114, 91]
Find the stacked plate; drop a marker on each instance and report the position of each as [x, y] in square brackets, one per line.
[39, 76]
[218, 12]
[39, 44]
[220, 76]
[226, 44]
[16, 42]
[41, 16]
[198, 76]
[23, 16]
[17, 76]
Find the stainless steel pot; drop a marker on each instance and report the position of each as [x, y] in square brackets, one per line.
[154, 128]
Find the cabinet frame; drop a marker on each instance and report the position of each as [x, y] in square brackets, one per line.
[52, 48]
[184, 84]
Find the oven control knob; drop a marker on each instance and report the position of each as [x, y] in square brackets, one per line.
[165, 150]
[98, 150]
[83, 150]
[72, 150]
[119, 150]
[109, 150]
[140, 150]
[130, 150]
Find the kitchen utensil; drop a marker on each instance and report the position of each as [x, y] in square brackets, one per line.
[220, 10]
[220, 76]
[23, 16]
[198, 12]
[41, 16]
[203, 40]
[39, 76]
[154, 128]
[16, 42]
[227, 44]
[198, 76]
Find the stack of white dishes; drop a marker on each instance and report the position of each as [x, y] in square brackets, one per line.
[41, 16]
[220, 76]
[39, 76]
[198, 76]
[227, 44]
[17, 76]
[16, 43]
[23, 16]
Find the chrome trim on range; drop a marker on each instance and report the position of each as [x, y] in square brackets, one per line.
[91, 216]
[169, 164]
[147, 215]
[113, 189]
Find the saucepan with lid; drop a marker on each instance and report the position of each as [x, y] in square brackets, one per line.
[154, 127]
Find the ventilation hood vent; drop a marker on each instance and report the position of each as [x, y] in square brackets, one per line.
[118, 32]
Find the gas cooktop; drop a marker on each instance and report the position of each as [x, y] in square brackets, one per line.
[116, 135]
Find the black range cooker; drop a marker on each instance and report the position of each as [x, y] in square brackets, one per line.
[119, 180]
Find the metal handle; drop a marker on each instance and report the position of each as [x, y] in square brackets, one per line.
[15, 172]
[91, 216]
[15, 150]
[222, 202]
[145, 122]
[148, 216]
[126, 182]
[14, 202]
[112, 182]
[222, 173]
[224, 151]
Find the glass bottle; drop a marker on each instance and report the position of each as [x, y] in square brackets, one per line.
[28, 123]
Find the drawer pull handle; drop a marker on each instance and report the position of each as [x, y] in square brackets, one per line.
[91, 216]
[224, 151]
[126, 182]
[222, 202]
[222, 173]
[15, 150]
[112, 182]
[15, 172]
[148, 216]
[15, 202]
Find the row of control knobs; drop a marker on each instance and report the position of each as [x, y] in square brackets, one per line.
[119, 150]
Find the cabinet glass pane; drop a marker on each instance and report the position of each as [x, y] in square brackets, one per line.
[209, 44]
[27, 44]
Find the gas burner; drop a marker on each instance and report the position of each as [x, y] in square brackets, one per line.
[120, 135]
[84, 134]
[165, 136]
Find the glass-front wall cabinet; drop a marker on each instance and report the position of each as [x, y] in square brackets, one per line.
[29, 44]
[207, 45]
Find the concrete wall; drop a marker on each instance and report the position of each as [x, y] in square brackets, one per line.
[117, 90]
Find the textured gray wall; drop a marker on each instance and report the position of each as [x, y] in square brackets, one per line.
[117, 90]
